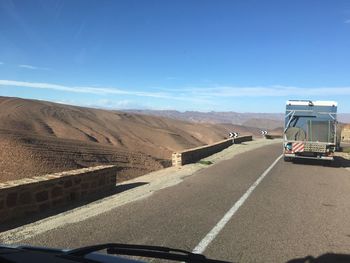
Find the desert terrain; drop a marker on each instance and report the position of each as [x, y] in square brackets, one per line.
[39, 137]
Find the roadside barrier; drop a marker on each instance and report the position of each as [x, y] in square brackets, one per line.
[195, 154]
[31, 196]
[271, 137]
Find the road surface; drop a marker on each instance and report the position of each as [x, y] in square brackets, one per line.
[295, 210]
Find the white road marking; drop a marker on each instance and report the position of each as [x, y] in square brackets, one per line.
[200, 248]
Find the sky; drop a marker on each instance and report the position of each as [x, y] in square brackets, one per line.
[244, 56]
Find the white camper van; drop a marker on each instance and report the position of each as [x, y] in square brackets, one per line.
[310, 130]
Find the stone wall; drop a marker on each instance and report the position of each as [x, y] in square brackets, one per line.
[242, 139]
[195, 154]
[273, 136]
[30, 196]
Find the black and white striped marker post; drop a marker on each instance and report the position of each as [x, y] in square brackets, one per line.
[264, 133]
[233, 134]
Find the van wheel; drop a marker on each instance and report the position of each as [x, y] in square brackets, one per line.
[287, 159]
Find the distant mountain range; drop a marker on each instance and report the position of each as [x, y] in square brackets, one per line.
[257, 120]
[344, 117]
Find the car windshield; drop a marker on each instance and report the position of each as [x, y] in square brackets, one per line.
[174, 130]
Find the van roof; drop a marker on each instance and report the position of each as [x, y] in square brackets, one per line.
[315, 103]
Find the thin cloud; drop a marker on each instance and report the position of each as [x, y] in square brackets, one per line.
[77, 89]
[347, 21]
[262, 91]
[104, 104]
[94, 90]
[119, 104]
[32, 67]
[27, 66]
[100, 91]
[192, 94]
[1, 63]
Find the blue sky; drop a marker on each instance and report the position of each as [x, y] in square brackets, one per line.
[245, 56]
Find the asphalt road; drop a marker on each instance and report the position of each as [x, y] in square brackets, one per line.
[297, 210]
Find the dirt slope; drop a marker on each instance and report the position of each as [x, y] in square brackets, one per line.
[38, 137]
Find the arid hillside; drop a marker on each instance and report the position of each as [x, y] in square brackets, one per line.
[38, 137]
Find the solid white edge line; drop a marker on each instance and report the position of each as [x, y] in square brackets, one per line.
[203, 244]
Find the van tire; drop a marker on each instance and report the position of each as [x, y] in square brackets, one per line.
[287, 159]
